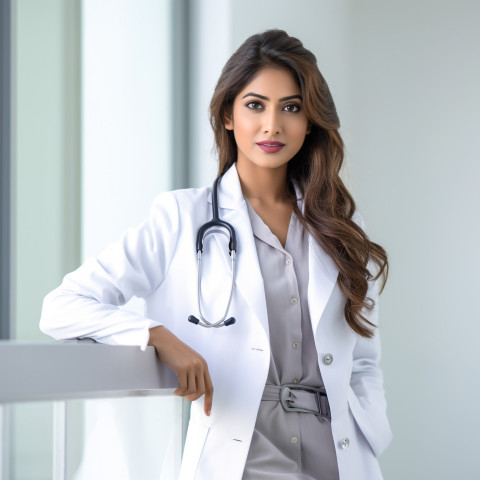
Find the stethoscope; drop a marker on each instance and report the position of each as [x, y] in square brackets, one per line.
[206, 229]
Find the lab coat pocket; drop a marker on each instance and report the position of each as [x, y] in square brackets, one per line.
[361, 418]
[194, 443]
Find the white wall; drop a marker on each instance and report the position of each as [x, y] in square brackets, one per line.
[126, 106]
[210, 43]
[126, 162]
[405, 79]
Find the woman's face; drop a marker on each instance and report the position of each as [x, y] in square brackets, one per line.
[268, 119]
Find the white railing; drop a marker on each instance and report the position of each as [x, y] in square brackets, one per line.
[77, 370]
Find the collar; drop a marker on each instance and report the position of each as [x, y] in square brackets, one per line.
[230, 193]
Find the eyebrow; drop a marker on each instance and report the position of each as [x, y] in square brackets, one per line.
[251, 94]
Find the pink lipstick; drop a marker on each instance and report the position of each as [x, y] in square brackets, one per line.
[271, 146]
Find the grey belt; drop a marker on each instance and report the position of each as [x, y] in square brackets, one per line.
[295, 397]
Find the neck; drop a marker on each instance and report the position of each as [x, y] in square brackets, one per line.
[263, 184]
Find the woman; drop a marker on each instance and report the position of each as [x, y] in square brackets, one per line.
[293, 389]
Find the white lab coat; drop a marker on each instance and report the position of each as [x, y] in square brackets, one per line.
[157, 261]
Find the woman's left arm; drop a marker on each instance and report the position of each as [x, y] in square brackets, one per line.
[367, 378]
[368, 403]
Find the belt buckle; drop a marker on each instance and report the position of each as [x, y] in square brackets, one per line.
[319, 393]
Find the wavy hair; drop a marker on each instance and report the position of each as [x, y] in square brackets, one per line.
[328, 206]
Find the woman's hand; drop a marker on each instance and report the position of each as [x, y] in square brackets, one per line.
[189, 366]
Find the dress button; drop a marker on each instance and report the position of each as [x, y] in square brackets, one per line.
[295, 345]
[294, 439]
[293, 301]
[327, 358]
[345, 443]
[295, 380]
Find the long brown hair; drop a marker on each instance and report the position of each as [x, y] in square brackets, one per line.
[328, 206]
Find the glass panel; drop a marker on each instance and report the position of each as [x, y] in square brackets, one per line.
[125, 438]
[31, 439]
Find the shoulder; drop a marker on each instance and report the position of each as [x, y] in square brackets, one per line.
[182, 200]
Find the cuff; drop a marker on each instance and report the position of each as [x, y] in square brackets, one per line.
[146, 333]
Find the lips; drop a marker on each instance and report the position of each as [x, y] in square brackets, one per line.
[270, 146]
[271, 143]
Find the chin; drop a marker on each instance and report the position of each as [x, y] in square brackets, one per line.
[270, 162]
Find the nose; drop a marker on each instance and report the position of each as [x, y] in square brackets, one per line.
[272, 122]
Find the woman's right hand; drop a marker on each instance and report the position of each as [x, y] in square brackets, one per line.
[189, 366]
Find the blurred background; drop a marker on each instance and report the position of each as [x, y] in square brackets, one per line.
[105, 104]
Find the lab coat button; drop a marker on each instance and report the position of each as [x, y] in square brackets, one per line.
[295, 345]
[327, 358]
[295, 380]
[345, 443]
[294, 439]
[289, 261]
[293, 301]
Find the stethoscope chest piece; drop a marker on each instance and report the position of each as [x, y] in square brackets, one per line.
[206, 229]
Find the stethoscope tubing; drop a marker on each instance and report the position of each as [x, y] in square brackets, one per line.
[222, 321]
[203, 231]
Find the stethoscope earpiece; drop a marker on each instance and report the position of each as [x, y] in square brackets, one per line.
[203, 231]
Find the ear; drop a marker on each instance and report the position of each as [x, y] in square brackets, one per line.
[228, 122]
[309, 128]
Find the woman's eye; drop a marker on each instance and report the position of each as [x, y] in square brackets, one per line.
[292, 108]
[254, 105]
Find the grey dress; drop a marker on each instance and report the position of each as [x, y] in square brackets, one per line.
[288, 445]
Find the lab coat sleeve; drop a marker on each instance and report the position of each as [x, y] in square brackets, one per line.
[86, 304]
[367, 377]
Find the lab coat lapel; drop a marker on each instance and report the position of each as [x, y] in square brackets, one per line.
[323, 275]
[248, 278]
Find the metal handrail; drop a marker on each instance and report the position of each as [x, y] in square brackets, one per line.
[76, 369]
[79, 369]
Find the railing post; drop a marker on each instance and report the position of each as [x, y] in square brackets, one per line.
[59, 440]
[4, 442]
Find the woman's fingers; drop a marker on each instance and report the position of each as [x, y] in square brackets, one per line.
[182, 385]
[200, 388]
[192, 384]
[203, 387]
[190, 367]
[208, 393]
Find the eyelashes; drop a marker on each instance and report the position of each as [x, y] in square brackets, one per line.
[289, 107]
[254, 105]
[292, 107]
